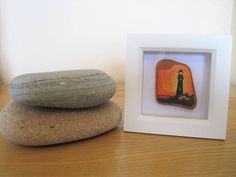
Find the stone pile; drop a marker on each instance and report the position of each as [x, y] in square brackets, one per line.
[58, 107]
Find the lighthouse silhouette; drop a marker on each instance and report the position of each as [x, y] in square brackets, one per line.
[180, 77]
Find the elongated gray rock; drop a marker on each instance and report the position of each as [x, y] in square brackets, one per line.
[63, 89]
[34, 126]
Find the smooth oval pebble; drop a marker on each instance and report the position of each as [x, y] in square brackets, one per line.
[35, 126]
[63, 89]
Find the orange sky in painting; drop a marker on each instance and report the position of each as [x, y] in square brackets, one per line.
[167, 81]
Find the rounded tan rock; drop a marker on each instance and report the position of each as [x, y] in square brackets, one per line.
[37, 126]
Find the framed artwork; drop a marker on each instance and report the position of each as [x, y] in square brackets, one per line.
[177, 85]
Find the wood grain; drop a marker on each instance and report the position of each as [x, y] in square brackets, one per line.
[119, 153]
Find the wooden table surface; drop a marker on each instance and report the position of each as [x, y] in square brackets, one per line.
[119, 153]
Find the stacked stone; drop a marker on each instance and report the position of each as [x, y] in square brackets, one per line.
[58, 107]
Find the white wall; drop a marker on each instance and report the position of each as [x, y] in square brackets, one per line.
[47, 35]
[233, 67]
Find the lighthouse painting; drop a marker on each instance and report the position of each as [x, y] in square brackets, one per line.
[175, 85]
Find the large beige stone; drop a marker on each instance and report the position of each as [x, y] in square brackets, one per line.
[35, 126]
[63, 89]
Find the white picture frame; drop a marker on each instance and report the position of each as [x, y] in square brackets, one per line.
[215, 124]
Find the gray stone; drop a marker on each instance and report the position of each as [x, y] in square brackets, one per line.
[63, 89]
[36, 126]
